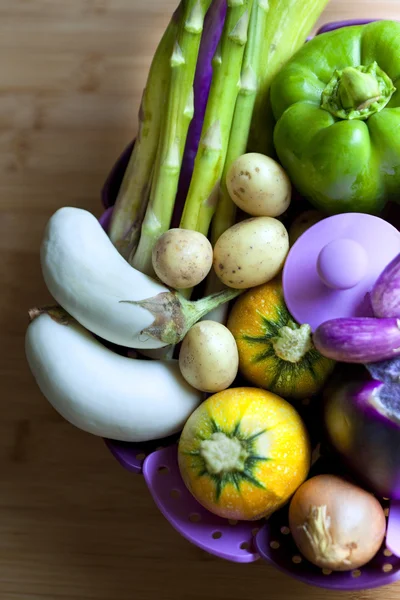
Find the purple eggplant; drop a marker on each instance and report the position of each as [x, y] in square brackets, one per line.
[385, 295]
[362, 422]
[213, 26]
[387, 371]
[358, 339]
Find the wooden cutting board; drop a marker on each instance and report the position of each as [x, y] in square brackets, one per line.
[73, 524]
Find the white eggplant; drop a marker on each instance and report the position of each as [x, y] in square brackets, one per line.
[102, 392]
[90, 279]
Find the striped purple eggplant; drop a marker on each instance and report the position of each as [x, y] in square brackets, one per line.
[385, 295]
[358, 339]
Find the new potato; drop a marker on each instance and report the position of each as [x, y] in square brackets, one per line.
[208, 357]
[258, 185]
[182, 258]
[251, 252]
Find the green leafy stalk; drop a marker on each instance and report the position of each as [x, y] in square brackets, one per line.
[252, 63]
[289, 24]
[133, 195]
[209, 163]
[177, 116]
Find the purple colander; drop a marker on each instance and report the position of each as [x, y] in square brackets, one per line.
[231, 540]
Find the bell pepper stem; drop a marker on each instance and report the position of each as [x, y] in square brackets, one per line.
[357, 92]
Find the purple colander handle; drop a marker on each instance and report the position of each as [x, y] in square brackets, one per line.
[230, 540]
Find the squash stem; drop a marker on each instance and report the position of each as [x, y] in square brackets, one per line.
[223, 454]
[293, 342]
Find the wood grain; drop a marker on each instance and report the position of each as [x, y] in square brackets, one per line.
[73, 524]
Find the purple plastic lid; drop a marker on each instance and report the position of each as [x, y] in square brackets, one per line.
[332, 267]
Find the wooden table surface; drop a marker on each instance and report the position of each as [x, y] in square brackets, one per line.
[73, 524]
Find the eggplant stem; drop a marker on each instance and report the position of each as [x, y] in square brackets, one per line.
[57, 313]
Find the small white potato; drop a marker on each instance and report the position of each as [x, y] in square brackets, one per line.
[208, 357]
[258, 185]
[251, 252]
[182, 258]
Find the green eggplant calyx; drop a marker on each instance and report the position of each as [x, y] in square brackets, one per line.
[222, 454]
[357, 92]
[293, 342]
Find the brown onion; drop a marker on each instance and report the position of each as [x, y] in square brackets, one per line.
[335, 524]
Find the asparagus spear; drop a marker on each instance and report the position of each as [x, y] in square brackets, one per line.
[226, 210]
[289, 24]
[177, 116]
[134, 192]
[201, 200]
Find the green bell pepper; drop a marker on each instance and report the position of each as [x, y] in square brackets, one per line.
[337, 109]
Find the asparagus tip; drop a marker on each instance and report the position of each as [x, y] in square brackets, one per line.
[194, 22]
[248, 80]
[213, 137]
[238, 35]
[217, 58]
[264, 4]
[177, 57]
[189, 108]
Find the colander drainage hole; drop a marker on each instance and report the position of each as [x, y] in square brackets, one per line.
[387, 568]
[140, 456]
[194, 517]
[217, 535]
[296, 559]
[163, 470]
[356, 573]
[255, 531]
[326, 571]
[232, 522]
[244, 546]
[387, 552]
[285, 530]
[274, 545]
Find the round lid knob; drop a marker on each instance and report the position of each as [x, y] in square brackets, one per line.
[342, 264]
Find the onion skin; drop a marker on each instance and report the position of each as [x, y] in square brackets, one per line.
[358, 339]
[363, 428]
[336, 524]
[385, 295]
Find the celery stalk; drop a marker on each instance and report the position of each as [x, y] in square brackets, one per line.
[133, 195]
[203, 191]
[289, 24]
[177, 116]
